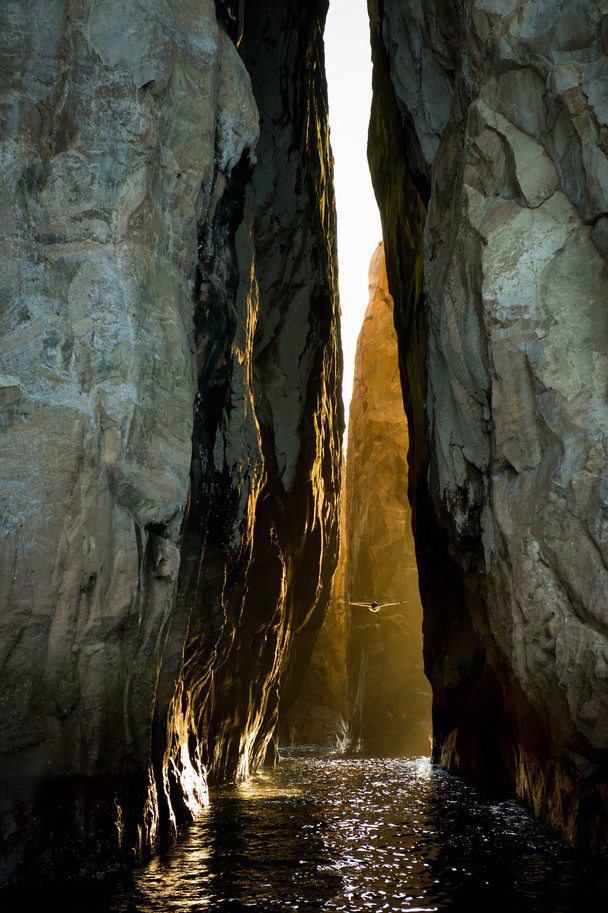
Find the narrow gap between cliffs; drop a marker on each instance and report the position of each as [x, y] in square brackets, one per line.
[365, 691]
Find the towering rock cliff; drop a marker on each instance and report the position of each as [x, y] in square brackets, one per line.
[169, 414]
[389, 694]
[488, 149]
[277, 485]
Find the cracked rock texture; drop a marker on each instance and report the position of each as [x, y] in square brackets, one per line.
[169, 418]
[266, 470]
[390, 706]
[488, 148]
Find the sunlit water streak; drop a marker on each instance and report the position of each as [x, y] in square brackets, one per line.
[324, 833]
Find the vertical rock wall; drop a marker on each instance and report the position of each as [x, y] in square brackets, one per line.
[488, 150]
[269, 461]
[389, 694]
[168, 408]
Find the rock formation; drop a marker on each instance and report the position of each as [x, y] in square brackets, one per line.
[488, 146]
[389, 694]
[169, 415]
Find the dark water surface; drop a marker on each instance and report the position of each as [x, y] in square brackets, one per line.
[323, 833]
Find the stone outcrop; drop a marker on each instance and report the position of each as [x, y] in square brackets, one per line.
[389, 695]
[488, 150]
[169, 416]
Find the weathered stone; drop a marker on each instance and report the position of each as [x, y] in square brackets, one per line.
[504, 362]
[266, 471]
[389, 695]
[168, 410]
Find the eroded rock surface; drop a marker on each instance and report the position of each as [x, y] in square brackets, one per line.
[488, 148]
[168, 399]
[272, 456]
[389, 694]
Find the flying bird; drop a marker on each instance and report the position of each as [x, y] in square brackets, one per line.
[374, 606]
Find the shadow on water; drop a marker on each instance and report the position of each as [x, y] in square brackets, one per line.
[326, 833]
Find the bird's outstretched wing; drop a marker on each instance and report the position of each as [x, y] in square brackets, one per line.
[401, 602]
[365, 604]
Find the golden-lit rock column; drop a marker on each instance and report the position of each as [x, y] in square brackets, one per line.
[389, 694]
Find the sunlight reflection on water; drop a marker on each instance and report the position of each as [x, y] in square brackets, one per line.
[324, 833]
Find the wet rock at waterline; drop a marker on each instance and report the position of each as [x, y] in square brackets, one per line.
[388, 693]
[168, 410]
[488, 151]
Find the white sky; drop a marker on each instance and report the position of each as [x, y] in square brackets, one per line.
[349, 78]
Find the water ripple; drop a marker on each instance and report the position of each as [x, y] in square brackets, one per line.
[323, 833]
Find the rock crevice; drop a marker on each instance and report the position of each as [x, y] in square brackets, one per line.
[389, 694]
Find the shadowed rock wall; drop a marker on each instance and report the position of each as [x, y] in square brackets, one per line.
[488, 151]
[260, 589]
[169, 410]
[389, 694]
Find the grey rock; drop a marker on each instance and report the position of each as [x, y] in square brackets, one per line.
[150, 452]
[504, 363]
[112, 147]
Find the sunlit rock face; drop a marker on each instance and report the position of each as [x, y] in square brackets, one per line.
[169, 420]
[493, 117]
[266, 471]
[389, 694]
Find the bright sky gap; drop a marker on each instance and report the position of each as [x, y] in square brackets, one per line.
[349, 78]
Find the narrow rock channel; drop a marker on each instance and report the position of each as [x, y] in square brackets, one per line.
[171, 456]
